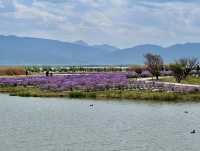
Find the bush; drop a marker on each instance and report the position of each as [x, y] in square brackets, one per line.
[77, 94]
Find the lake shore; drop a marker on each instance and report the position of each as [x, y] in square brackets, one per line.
[30, 91]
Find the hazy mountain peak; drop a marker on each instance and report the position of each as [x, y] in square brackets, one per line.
[107, 47]
[148, 46]
[81, 42]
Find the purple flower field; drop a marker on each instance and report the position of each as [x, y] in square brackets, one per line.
[96, 81]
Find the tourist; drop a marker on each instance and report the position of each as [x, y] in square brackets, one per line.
[47, 73]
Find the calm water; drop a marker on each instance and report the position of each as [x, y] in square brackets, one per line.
[38, 124]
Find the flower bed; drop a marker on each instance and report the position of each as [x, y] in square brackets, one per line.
[97, 81]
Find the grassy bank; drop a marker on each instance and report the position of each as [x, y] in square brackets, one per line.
[189, 80]
[110, 94]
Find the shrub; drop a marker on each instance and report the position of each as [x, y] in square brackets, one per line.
[77, 94]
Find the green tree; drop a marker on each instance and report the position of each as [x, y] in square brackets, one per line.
[178, 71]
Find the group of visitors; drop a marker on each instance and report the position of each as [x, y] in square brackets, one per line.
[47, 73]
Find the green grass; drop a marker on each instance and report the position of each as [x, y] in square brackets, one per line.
[30, 92]
[189, 80]
[110, 94]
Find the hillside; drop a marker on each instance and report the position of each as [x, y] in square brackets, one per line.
[22, 51]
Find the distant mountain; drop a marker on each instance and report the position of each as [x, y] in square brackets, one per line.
[19, 50]
[109, 48]
[105, 47]
[133, 55]
[22, 51]
[182, 50]
[81, 42]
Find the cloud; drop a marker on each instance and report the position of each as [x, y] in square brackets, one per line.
[119, 22]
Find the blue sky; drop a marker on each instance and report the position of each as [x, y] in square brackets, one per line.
[122, 23]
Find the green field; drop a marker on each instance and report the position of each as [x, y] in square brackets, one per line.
[189, 80]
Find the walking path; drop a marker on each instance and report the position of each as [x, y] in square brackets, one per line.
[177, 84]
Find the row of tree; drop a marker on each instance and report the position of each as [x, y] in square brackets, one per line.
[66, 69]
[181, 68]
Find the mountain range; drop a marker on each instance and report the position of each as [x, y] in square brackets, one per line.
[33, 51]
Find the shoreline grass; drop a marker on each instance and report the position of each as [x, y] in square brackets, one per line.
[109, 94]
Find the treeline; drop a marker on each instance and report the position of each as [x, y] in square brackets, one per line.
[153, 66]
[65, 69]
[180, 68]
[23, 70]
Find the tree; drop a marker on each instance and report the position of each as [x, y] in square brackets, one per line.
[139, 70]
[183, 67]
[178, 71]
[190, 64]
[154, 64]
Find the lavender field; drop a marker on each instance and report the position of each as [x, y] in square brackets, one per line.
[94, 81]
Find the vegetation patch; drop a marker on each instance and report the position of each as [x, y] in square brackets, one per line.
[189, 80]
[109, 94]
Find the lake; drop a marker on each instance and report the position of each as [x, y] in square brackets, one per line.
[61, 124]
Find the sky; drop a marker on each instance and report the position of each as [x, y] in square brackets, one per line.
[121, 23]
